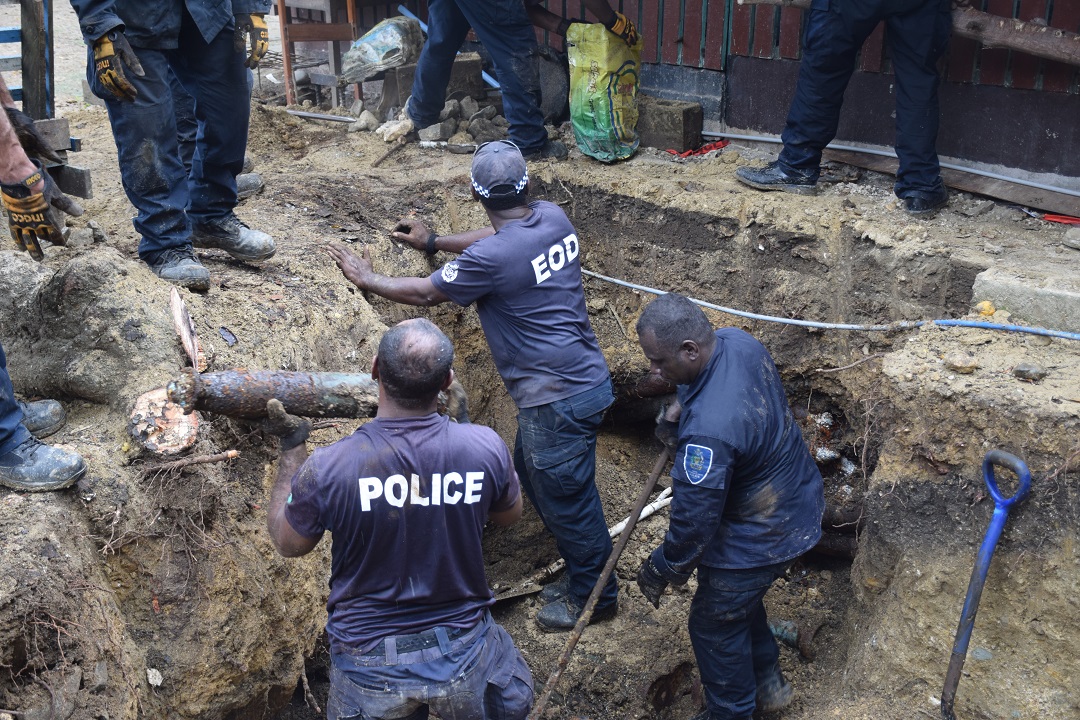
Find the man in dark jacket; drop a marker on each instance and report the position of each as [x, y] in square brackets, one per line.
[133, 46]
[747, 500]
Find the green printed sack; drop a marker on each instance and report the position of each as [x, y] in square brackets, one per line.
[604, 74]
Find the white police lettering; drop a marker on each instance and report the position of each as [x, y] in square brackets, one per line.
[448, 489]
[557, 257]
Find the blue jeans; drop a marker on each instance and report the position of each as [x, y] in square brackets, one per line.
[477, 676]
[735, 649]
[555, 458]
[153, 176]
[918, 33]
[12, 432]
[505, 30]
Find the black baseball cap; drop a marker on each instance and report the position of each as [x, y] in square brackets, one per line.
[498, 170]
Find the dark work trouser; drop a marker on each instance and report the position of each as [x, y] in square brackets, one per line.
[917, 33]
[12, 432]
[153, 176]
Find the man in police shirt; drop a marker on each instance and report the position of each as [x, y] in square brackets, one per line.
[406, 497]
[524, 274]
[747, 500]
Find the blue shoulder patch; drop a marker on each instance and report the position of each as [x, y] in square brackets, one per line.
[697, 461]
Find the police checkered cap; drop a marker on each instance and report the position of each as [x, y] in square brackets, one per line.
[498, 170]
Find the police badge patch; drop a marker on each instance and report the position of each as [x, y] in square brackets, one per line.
[449, 271]
[696, 462]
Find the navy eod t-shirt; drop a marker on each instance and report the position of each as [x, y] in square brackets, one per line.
[406, 500]
[526, 283]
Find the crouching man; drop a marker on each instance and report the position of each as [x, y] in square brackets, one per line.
[406, 497]
[747, 500]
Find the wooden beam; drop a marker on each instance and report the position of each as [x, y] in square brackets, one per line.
[35, 68]
[994, 31]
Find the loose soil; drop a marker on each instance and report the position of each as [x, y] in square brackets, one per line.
[151, 592]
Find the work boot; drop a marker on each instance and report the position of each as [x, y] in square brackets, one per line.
[42, 417]
[563, 615]
[774, 695]
[550, 149]
[248, 184]
[774, 177]
[179, 266]
[230, 234]
[36, 467]
[556, 590]
[249, 165]
[926, 203]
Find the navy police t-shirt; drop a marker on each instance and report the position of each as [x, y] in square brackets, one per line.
[406, 500]
[526, 283]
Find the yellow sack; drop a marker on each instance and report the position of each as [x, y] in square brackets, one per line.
[604, 76]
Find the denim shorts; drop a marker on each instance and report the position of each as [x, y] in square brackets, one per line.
[479, 675]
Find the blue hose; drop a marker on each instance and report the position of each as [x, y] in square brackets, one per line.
[891, 327]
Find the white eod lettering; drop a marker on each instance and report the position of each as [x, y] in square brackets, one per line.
[558, 256]
[448, 489]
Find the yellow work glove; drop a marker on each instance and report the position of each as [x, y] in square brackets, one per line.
[31, 215]
[111, 53]
[620, 25]
[251, 30]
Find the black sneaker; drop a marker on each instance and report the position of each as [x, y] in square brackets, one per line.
[42, 417]
[921, 205]
[36, 467]
[179, 266]
[563, 615]
[230, 234]
[556, 590]
[551, 149]
[773, 177]
[774, 695]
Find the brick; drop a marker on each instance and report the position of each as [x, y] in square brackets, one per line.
[669, 124]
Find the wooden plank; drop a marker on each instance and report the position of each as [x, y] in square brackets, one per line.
[790, 32]
[692, 32]
[1025, 68]
[1060, 77]
[320, 32]
[994, 64]
[73, 180]
[763, 31]
[872, 54]
[969, 182]
[672, 37]
[10, 63]
[740, 30]
[35, 54]
[56, 132]
[650, 21]
[714, 34]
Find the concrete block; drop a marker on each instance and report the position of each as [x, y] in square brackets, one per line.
[1049, 301]
[439, 131]
[465, 79]
[669, 124]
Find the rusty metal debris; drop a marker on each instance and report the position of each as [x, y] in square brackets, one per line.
[161, 426]
[244, 394]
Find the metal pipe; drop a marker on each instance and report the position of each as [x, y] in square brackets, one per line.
[244, 394]
[890, 154]
[321, 116]
[982, 566]
[423, 26]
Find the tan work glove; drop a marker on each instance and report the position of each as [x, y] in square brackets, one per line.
[620, 25]
[32, 216]
[111, 53]
[251, 31]
[392, 130]
[29, 137]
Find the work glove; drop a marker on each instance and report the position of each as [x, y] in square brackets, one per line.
[29, 137]
[33, 216]
[111, 53]
[651, 583]
[292, 431]
[251, 30]
[620, 25]
[667, 431]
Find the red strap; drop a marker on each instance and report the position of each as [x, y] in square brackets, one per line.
[707, 147]
[1065, 219]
